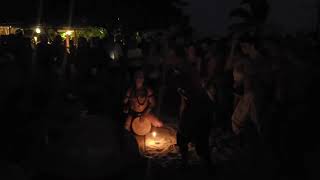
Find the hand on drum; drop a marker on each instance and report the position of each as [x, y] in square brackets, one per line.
[142, 125]
[153, 119]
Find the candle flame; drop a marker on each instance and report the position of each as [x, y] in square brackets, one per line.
[154, 134]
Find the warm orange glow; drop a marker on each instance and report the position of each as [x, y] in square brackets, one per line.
[69, 32]
[154, 134]
[160, 141]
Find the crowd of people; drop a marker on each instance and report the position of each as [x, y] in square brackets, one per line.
[261, 89]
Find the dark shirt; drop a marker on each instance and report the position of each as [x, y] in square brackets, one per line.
[198, 116]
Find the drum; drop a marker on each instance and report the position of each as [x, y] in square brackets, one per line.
[141, 127]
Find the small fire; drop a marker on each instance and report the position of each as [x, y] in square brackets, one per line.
[154, 134]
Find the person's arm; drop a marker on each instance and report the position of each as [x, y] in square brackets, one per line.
[240, 114]
[126, 101]
[254, 114]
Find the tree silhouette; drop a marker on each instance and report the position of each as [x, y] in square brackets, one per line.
[317, 30]
[133, 13]
[253, 18]
[142, 14]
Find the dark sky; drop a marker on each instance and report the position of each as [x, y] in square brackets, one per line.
[54, 11]
[211, 16]
[207, 16]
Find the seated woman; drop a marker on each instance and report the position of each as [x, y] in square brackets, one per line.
[139, 102]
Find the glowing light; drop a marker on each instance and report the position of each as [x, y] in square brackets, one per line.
[154, 134]
[159, 142]
[69, 32]
[38, 30]
[112, 55]
[35, 39]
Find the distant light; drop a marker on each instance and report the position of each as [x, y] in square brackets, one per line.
[69, 32]
[112, 55]
[118, 19]
[38, 30]
[35, 39]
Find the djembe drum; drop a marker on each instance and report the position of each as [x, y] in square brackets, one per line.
[141, 126]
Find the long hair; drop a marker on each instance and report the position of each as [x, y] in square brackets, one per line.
[138, 72]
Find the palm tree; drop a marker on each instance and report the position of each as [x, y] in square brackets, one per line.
[318, 19]
[253, 18]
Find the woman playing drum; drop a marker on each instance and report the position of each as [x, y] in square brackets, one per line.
[139, 102]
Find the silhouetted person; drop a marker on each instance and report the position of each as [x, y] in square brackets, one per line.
[58, 53]
[81, 64]
[44, 77]
[97, 57]
[198, 107]
[23, 54]
[173, 76]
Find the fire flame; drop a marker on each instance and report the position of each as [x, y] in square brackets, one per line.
[154, 134]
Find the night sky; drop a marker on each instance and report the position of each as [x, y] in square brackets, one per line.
[207, 16]
[211, 16]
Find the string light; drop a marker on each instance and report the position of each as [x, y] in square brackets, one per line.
[38, 30]
[69, 32]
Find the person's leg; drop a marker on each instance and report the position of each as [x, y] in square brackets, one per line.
[203, 148]
[182, 142]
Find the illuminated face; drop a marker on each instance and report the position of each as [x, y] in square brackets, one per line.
[247, 48]
[139, 79]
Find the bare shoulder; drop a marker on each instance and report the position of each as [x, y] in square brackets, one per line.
[250, 97]
[150, 91]
[129, 92]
